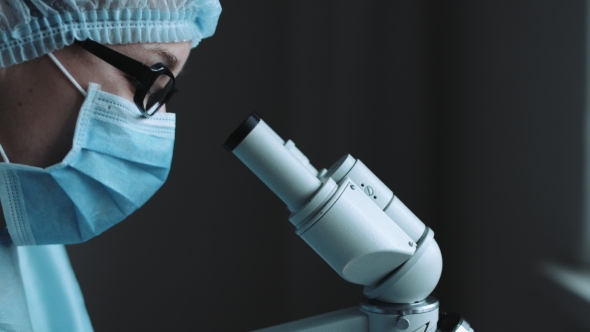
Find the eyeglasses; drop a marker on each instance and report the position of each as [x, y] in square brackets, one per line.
[153, 85]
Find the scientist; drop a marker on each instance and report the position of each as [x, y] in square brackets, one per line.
[85, 139]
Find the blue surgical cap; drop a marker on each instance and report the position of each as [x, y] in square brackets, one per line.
[32, 28]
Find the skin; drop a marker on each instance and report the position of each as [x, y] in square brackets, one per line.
[39, 106]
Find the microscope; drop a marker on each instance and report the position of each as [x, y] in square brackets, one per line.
[360, 228]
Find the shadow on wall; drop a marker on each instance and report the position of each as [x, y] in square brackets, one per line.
[471, 113]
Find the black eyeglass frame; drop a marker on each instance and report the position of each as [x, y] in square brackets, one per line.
[144, 76]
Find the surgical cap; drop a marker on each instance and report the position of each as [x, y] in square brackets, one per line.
[32, 28]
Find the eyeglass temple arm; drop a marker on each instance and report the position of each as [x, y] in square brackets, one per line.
[129, 66]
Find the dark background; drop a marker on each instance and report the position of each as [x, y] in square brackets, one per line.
[471, 111]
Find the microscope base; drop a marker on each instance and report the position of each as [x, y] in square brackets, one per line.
[373, 316]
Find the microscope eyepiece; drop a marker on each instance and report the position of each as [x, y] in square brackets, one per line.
[241, 132]
[265, 154]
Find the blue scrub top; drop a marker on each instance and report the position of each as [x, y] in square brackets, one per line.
[38, 290]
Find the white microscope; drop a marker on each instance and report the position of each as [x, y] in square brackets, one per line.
[360, 228]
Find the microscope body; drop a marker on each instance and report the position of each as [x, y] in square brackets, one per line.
[357, 225]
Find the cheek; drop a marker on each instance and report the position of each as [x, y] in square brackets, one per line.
[43, 109]
[109, 78]
[118, 86]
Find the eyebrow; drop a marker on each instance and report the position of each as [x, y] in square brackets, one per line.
[169, 60]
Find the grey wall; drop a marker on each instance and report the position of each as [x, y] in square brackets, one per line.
[470, 111]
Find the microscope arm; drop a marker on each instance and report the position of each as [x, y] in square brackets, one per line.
[345, 320]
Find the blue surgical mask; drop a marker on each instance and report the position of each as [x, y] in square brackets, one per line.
[117, 162]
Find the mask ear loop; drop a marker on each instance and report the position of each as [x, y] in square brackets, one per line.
[65, 71]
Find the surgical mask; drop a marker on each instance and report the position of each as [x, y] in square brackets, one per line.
[117, 162]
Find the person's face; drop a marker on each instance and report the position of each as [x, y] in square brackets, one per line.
[39, 106]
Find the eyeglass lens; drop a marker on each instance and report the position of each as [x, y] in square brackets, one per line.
[158, 94]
